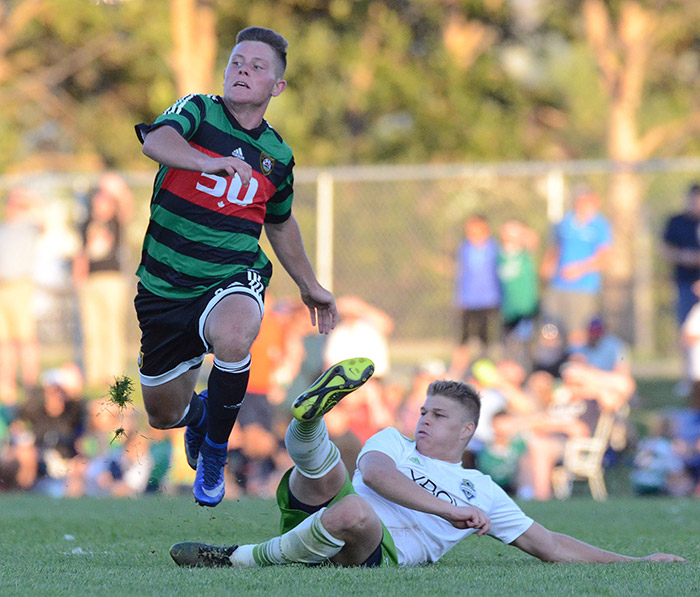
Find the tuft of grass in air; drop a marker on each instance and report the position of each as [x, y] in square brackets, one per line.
[120, 391]
[120, 395]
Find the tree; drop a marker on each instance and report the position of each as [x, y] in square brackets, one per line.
[193, 24]
[72, 81]
[623, 43]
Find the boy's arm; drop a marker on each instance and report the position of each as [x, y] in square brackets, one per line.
[557, 547]
[288, 245]
[379, 473]
[167, 147]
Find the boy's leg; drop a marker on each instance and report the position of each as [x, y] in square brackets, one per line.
[319, 473]
[318, 476]
[173, 403]
[347, 533]
[230, 327]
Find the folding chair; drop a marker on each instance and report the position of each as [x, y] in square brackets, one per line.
[583, 460]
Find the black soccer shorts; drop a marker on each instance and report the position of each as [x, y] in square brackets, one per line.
[172, 330]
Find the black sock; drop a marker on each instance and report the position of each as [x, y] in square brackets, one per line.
[226, 392]
[195, 416]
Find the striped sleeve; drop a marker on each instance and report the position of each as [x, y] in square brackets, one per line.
[185, 116]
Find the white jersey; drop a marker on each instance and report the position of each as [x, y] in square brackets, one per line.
[422, 537]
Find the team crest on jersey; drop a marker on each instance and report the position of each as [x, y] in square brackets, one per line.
[266, 164]
[467, 488]
[415, 460]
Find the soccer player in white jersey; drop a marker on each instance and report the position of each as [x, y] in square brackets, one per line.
[410, 501]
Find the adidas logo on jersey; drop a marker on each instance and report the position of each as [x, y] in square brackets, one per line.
[238, 153]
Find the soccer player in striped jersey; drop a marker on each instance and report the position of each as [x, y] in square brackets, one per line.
[224, 174]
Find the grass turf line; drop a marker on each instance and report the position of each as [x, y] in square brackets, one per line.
[108, 547]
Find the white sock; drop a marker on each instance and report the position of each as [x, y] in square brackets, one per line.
[307, 543]
[310, 448]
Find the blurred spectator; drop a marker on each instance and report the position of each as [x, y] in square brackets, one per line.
[363, 330]
[603, 349]
[500, 388]
[477, 295]
[160, 450]
[304, 351]
[501, 459]
[19, 347]
[573, 411]
[690, 339]
[573, 264]
[57, 422]
[686, 440]
[408, 412]
[101, 284]
[681, 247]
[657, 468]
[550, 348]
[124, 470]
[19, 461]
[520, 287]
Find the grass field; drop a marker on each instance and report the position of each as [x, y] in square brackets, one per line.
[120, 547]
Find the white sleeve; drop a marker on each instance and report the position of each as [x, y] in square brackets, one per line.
[387, 441]
[508, 521]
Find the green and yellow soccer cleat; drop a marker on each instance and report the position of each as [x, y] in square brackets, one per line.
[331, 387]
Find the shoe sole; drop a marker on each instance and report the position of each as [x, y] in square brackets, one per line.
[200, 555]
[331, 387]
[208, 505]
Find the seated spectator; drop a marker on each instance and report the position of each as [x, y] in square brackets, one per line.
[550, 348]
[161, 453]
[686, 440]
[501, 459]
[658, 469]
[409, 410]
[19, 458]
[124, 471]
[252, 463]
[499, 388]
[602, 349]
[304, 352]
[57, 423]
[573, 412]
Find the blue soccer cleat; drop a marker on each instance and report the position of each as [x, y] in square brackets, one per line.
[194, 436]
[209, 486]
[331, 387]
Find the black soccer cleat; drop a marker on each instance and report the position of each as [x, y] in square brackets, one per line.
[201, 555]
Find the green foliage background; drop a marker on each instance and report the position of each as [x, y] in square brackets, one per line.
[369, 81]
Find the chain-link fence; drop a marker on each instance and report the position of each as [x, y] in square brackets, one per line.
[389, 235]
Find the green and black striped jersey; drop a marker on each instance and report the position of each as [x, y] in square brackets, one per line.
[205, 228]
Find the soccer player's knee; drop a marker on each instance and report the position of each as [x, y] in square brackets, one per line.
[231, 349]
[352, 513]
[163, 416]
